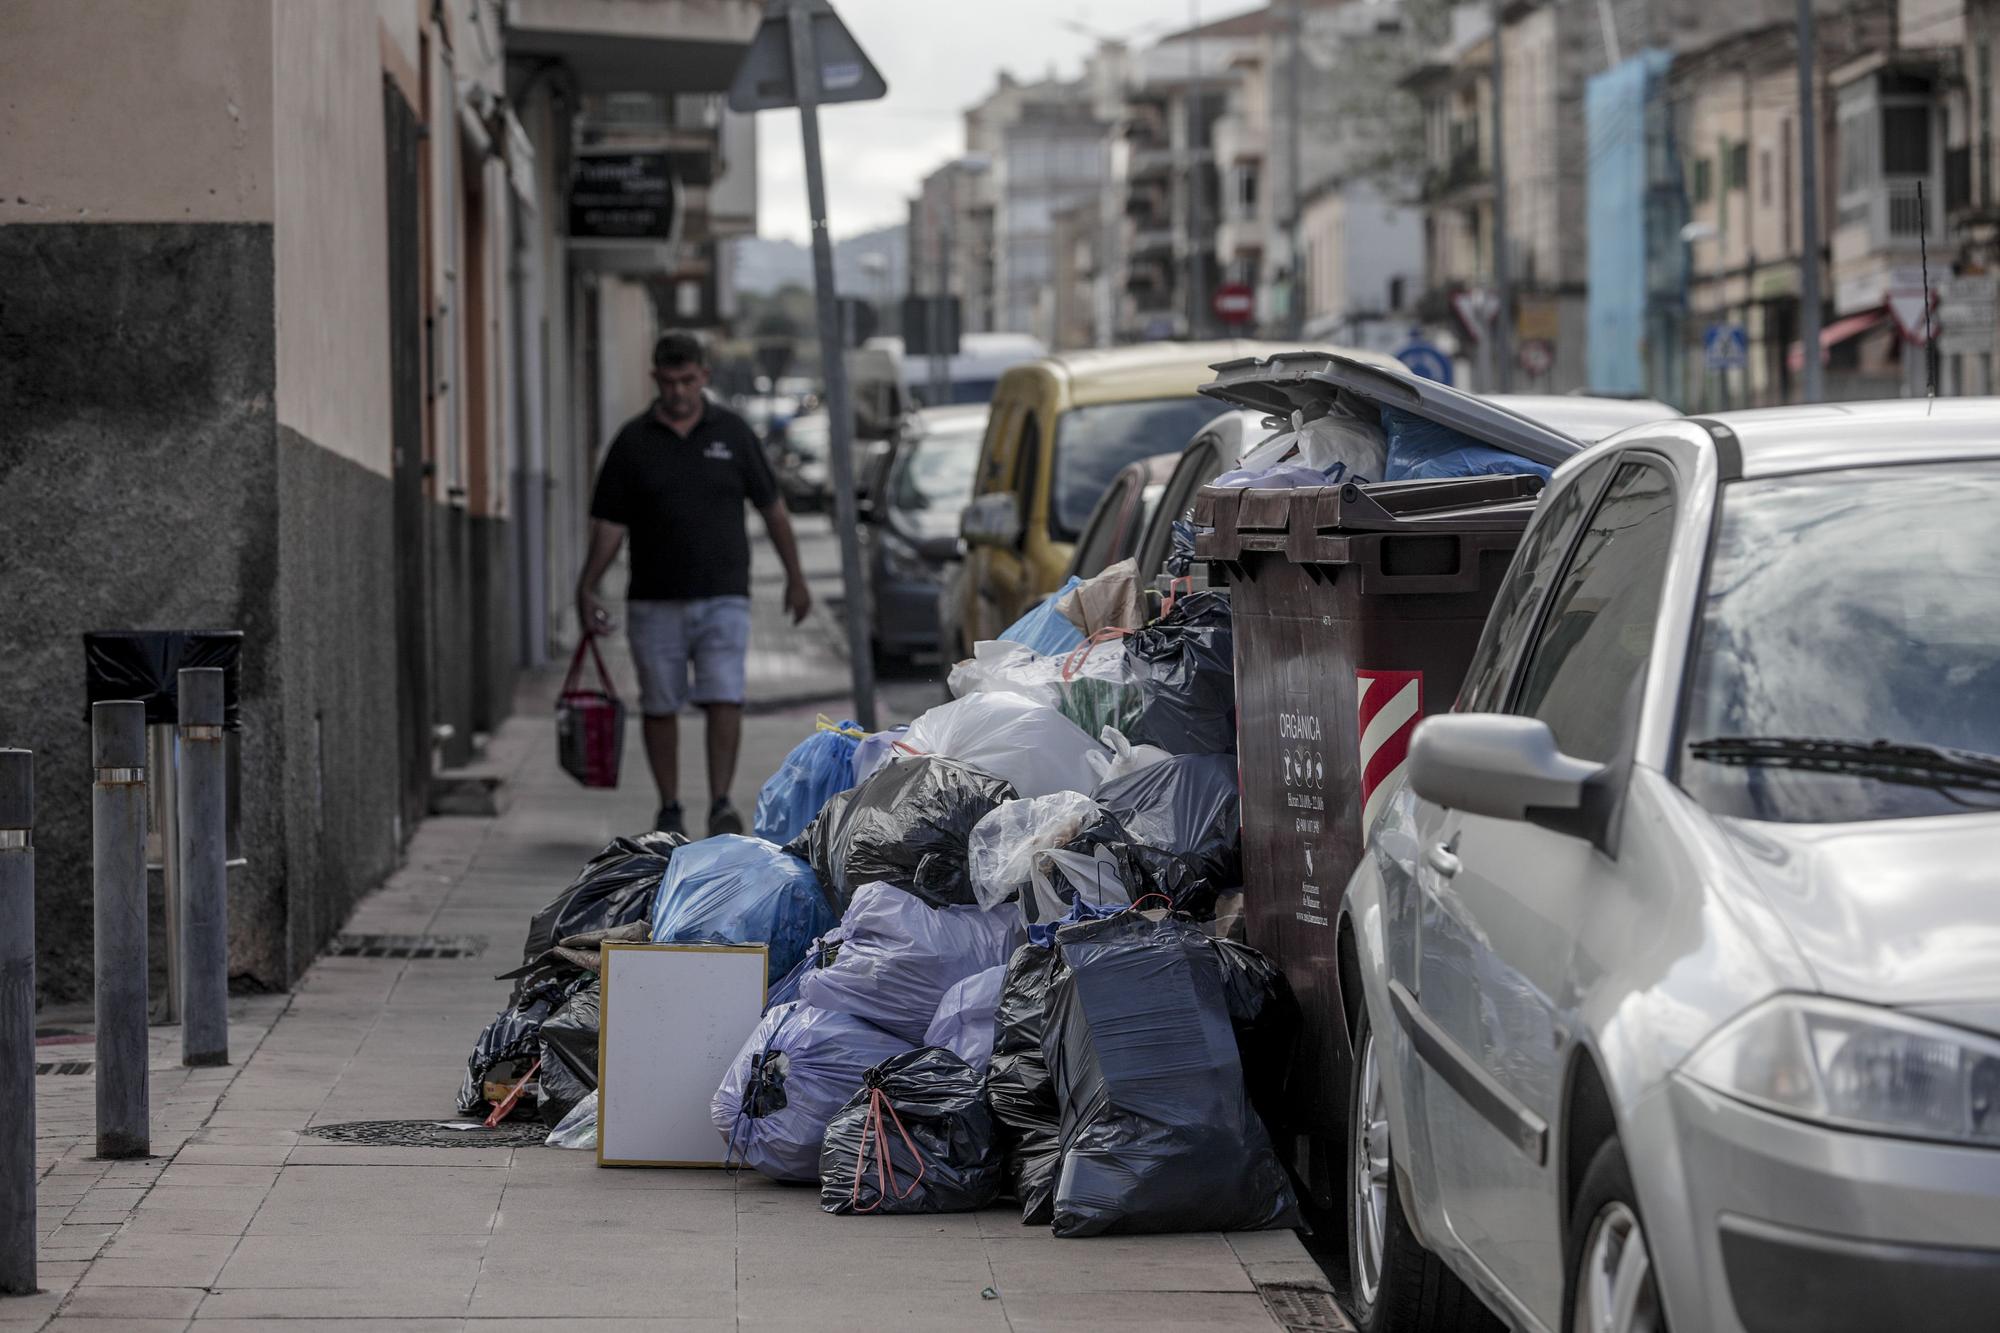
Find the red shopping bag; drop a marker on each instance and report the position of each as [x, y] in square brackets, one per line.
[590, 723]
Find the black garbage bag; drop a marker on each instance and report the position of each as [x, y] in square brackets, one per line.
[1185, 666]
[1188, 805]
[1116, 873]
[512, 1042]
[1158, 1133]
[615, 888]
[1017, 1080]
[917, 1138]
[569, 1053]
[1104, 865]
[1266, 1017]
[906, 825]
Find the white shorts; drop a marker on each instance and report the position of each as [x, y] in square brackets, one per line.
[703, 639]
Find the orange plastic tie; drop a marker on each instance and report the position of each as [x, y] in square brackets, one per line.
[1074, 661]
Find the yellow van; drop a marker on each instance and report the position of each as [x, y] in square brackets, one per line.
[1060, 430]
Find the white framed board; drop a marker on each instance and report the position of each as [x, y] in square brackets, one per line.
[674, 1016]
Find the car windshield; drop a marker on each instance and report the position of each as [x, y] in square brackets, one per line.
[1849, 660]
[937, 472]
[1092, 443]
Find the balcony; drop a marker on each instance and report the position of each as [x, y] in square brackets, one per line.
[612, 46]
[1152, 163]
[1463, 172]
[1152, 241]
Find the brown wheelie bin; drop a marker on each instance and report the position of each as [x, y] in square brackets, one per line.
[1356, 609]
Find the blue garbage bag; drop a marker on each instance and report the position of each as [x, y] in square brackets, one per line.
[784, 1087]
[899, 955]
[1420, 449]
[737, 890]
[964, 1022]
[818, 767]
[1045, 629]
[819, 953]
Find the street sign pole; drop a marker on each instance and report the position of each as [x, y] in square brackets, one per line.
[833, 362]
[1814, 387]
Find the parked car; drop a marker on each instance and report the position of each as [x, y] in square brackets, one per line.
[1212, 452]
[1672, 975]
[1061, 428]
[910, 530]
[1113, 530]
[805, 464]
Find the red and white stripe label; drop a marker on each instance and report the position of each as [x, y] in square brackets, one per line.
[1388, 706]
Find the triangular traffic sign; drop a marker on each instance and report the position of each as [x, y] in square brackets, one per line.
[1909, 309]
[1476, 308]
[764, 80]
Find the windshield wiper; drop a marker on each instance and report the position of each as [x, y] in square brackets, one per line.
[1887, 761]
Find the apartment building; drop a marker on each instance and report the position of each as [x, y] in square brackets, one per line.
[300, 343]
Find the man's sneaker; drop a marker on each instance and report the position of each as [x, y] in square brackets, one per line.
[722, 818]
[669, 819]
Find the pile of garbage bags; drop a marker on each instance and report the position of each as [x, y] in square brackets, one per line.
[1000, 958]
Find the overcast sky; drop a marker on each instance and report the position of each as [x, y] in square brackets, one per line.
[938, 56]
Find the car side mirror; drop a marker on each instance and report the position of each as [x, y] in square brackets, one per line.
[991, 520]
[1503, 767]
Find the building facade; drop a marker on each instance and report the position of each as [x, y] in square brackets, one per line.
[296, 345]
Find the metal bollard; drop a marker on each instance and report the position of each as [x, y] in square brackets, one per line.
[204, 862]
[118, 866]
[17, 1023]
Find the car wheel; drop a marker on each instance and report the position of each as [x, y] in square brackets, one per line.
[1397, 1286]
[1611, 1284]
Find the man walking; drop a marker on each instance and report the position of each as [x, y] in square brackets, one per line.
[674, 480]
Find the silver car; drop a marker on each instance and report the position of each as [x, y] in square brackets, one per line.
[1673, 970]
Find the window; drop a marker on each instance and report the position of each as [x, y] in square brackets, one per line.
[1704, 183]
[1093, 549]
[1736, 166]
[1857, 605]
[1597, 637]
[1764, 177]
[1906, 140]
[1093, 442]
[1534, 569]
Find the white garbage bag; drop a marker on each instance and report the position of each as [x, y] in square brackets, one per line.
[1121, 758]
[1000, 854]
[1354, 444]
[1013, 737]
[578, 1129]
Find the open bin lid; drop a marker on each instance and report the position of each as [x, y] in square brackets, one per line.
[1282, 384]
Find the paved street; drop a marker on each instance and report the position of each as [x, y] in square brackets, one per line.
[249, 1215]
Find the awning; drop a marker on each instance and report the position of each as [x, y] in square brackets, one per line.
[1836, 333]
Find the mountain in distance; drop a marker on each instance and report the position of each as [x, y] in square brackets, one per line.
[764, 265]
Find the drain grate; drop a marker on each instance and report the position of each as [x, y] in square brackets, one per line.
[1304, 1309]
[407, 946]
[64, 1067]
[432, 1134]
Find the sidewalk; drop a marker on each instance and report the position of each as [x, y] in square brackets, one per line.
[251, 1215]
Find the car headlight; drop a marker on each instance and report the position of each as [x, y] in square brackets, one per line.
[1855, 1066]
[904, 561]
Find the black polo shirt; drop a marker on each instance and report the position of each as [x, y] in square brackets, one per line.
[681, 500]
